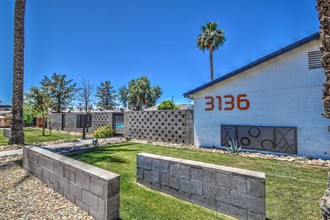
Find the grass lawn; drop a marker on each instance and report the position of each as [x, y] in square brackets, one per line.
[293, 190]
[35, 135]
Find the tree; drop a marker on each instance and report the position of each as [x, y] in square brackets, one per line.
[123, 96]
[85, 94]
[167, 105]
[27, 112]
[140, 94]
[40, 102]
[106, 96]
[211, 39]
[17, 134]
[323, 7]
[60, 90]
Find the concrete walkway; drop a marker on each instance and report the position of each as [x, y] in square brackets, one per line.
[11, 152]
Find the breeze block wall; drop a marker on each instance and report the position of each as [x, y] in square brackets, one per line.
[94, 190]
[236, 192]
[175, 126]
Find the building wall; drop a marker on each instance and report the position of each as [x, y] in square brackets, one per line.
[175, 126]
[282, 92]
[99, 119]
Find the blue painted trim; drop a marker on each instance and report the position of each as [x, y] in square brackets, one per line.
[255, 63]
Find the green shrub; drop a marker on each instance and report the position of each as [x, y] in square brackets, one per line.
[167, 105]
[103, 132]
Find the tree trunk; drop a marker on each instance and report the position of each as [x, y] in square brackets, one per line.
[43, 125]
[211, 61]
[17, 134]
[323, 7]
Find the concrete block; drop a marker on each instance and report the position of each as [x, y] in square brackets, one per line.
[151, 176]
[256, 216]
[232, 210]
[113, 205]
[250, 202]
[174, 182]
[114, 216]
[164, 179]
[206, 176]
[69, 197]
[82, 179]
[69, 174]
[180, 194]
[256, 188]
[63, 184]
[139, 173]
[97, 187]
[160, 166]
[58, 168]
[143, 162]
[89, 199]
[113, 187]
[49, 164]
[239, 183]
[223, 195]
[223, 179]
[44, 173]
[179, 170]
[191, 186]
[96, 214]
[75, 190]
[53, 177]
[210, 191]
[82, 205]
[101, 205]
[200, 200]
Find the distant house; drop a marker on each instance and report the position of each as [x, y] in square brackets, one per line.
[272, 104]
[7, 108]
[5, 120]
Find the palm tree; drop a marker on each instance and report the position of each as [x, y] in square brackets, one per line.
[211, 39]
[323, 7]
[17, 134]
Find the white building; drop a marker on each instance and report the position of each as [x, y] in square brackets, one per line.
[273, 104]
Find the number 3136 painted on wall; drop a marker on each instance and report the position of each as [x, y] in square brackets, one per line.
[242, 103]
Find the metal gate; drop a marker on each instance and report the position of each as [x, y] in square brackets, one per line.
[118, 124]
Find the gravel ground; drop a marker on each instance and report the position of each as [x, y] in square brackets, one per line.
[23, 196]
[294, 159]
[10, 147]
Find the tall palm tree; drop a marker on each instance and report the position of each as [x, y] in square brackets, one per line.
[323, 7]
[17, 134]
[211, 39]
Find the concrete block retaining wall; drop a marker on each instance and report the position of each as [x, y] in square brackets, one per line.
[167, 126]
[94, 190]
[236, 192]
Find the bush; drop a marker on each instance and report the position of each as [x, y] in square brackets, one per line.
[167, 105]
[103, 132]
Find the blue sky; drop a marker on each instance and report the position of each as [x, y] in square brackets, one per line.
[120, 40]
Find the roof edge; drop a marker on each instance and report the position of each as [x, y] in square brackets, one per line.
[255, 63]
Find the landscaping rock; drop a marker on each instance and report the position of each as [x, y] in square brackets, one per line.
[23, 196]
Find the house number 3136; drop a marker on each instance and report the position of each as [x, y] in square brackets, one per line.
[227, 102]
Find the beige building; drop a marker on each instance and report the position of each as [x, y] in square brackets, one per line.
[5, 120]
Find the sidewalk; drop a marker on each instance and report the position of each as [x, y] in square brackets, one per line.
[11, 152]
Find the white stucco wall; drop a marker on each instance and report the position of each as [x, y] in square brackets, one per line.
[282, 92]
